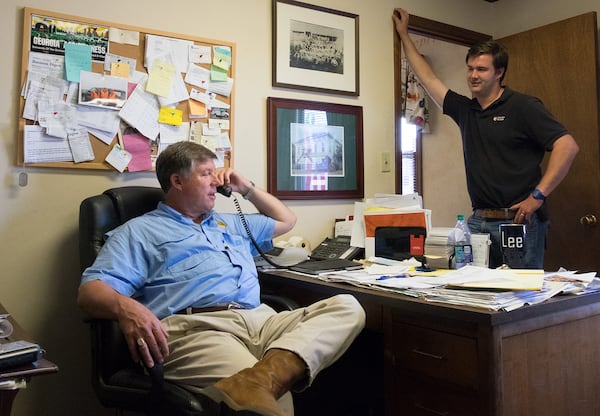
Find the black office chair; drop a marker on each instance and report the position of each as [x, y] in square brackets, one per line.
[117, 380]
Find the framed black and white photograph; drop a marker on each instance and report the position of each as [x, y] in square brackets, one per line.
[315, 150]
[315, 48]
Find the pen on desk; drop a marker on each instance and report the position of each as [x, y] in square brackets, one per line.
[385, 277]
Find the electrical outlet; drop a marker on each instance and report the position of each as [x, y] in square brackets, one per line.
[385, 162]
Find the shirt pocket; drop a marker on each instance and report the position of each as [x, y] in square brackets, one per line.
[194, 266]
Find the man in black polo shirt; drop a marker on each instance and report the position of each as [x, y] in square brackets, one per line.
[505, 135]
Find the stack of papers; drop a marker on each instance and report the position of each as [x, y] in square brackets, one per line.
[473, 286]
[475, 277]
[494, 300]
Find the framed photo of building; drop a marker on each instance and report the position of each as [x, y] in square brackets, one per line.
[315, 150]
[315, 48]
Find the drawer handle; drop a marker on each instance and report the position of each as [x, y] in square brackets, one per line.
[432, 411]
[427, 354]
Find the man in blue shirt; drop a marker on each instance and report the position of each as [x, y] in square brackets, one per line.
[182, 283]
[505, 136]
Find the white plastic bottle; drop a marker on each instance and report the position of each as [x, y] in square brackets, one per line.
[459, 240]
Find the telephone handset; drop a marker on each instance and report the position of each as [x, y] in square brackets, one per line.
[336, 248]
[224, 190]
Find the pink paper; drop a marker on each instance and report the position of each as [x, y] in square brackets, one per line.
[139, 147]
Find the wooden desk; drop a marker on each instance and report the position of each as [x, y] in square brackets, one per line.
[24, 372]
[450, 360]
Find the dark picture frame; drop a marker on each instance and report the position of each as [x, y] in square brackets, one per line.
[315, 48]
[315, 150]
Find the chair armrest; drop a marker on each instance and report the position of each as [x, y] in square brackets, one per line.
[119, 382]
[278, 302]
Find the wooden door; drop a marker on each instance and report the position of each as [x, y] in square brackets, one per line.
[559, 64]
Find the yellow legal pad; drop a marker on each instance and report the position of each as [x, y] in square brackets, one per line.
[503, 279]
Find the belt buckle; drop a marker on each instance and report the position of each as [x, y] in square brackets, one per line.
[234, 305]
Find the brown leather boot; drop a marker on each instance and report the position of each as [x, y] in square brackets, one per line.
[258, 388]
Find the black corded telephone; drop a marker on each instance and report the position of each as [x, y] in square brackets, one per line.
[336, 248]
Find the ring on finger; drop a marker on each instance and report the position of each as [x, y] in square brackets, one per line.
[141, 342]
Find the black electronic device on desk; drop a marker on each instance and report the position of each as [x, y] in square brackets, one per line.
[326, 266]
[333, 254]
[17, 353]
[402, 243]
[336, 248]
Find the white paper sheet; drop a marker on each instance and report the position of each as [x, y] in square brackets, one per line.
[38, 147]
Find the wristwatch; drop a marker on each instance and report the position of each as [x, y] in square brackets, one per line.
[250, 192]
[537, 194]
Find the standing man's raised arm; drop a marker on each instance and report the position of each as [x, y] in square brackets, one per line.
[432, 84]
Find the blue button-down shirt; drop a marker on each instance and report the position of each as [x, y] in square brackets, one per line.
[167, 262]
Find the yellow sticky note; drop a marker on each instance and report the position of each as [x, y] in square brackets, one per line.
[119, 69]
[172, 116]
[160, 78]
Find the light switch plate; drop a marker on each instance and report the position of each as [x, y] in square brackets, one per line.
[385, 162]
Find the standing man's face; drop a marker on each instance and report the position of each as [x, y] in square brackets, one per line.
[482, 77]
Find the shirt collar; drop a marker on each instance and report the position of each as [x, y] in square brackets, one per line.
[178, 216]
[505, 96]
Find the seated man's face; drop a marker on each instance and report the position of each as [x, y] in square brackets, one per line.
[199, 190]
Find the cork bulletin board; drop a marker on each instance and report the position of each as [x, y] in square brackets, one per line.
[108, 96]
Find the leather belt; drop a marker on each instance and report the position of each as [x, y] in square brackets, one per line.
[495, 213]
[192, 310]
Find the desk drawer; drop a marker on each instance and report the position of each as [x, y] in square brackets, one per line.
[439, 355]
[417, 398]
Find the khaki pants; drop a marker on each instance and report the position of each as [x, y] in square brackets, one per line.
[207, 347]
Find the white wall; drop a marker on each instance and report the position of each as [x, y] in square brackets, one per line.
[38, 223]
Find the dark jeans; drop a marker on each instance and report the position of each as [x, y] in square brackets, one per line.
[535, 239]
